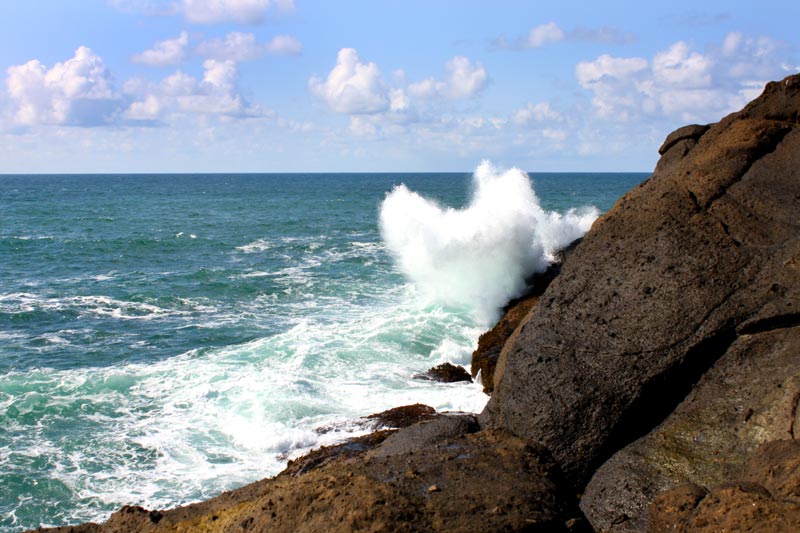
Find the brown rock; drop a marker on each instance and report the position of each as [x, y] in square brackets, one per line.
[739, 506]
[446, 373]
[490, 344]
[474, 473]
[705, 252]
[401, 417]
[747, 398]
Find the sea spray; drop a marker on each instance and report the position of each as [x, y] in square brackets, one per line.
[479, 256]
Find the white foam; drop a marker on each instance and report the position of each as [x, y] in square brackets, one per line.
[477, 257]
[256, 246]
[96, 305]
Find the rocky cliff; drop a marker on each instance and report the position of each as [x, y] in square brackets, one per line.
[690, 285]
[657, 376]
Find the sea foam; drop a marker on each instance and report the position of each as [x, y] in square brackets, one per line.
[479, 256]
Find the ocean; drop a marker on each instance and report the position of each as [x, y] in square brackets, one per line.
[164, 338]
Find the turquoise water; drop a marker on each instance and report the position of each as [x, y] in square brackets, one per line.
[164, 338]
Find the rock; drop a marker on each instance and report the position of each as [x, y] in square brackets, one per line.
[490, 344]
[446, 373]
[401, 417]
[767, 500]
[426, 434]
[777, 467]
[749, 397]
[703, 253]
[385, 421]
[472, 474]
[350, 448]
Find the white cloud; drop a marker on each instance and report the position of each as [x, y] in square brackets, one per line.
[239, 46]
[592, 72]
[180, 93]
[464, 80]
[284, 45]
[241, 11]
[540, 112]
[399, 101]
[163, 53]
[551, 32]
[362, 126]
[554, 134]
[605, 34]
[678, 67]
[352, 86]
[235, 46]
[544, 34]
[77, 92]
[680, 83]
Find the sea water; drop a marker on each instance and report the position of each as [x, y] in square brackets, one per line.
[164, 338]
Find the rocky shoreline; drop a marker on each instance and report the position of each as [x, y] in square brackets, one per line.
[653, 385]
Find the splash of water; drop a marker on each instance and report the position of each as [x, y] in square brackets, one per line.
[479, 256]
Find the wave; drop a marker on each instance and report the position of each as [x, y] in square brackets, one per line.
[479, 256]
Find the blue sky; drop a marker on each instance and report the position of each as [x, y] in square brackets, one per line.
[373, 85]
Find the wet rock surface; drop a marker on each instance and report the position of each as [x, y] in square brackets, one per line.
[446, 373]
[490, 344]
[401, 417]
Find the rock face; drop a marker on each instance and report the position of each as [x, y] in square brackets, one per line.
[704, 253]
[767, 499]
[748, 398]
[490, 344]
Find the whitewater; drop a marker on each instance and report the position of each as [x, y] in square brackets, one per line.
[164, 338]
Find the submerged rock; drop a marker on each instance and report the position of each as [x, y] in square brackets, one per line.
[446, 373]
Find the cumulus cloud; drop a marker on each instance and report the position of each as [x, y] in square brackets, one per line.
[544, 34]
[241, 11]
[166, 52]
[207, 11]
[352, 86]
[77, 92]
[464, 80]
[216, 94]
[239, 46]
[682, 83]
[284, 45]
[539, 112]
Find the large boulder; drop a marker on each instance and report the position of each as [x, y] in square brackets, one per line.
[749, 398]
[703, 253]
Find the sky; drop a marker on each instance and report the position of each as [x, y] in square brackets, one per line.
[134, 86]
